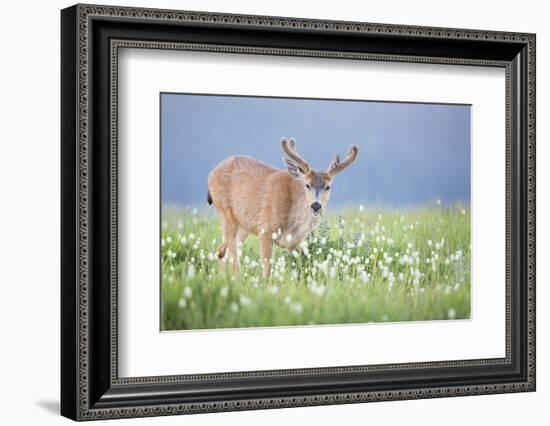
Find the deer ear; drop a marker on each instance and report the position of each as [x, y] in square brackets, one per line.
[293, 168]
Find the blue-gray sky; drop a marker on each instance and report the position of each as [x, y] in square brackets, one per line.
[409, 154]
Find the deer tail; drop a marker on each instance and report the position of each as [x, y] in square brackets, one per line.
[209, 198]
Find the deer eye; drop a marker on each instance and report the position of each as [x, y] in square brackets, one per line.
[327, 188]
[308, 186]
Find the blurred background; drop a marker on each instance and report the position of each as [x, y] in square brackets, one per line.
[410, 154]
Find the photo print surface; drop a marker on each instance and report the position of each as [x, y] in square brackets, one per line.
[303, 212]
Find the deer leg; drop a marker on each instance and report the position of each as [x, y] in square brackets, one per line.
[230, 230]
[239, 241]
[266, 249]
[241, 236]
[221, 250]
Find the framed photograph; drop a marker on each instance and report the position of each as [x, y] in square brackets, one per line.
[263, 212]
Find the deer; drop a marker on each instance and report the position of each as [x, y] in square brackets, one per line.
[280, 207]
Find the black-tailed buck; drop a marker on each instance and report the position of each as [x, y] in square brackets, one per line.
[279, 206]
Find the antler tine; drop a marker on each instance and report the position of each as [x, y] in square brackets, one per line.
[292, 143]
[337, 166]
[289, 148]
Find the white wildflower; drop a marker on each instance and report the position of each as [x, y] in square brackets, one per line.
[244, 300]
[297, 307]
[187, 292]
[317, 290]
[274, 236]
[224, 292]
[451, 314]
[234, 307]
[182, 303]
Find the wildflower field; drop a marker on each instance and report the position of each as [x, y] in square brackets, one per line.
[359, 266]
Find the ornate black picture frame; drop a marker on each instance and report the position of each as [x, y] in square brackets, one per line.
[90, 38]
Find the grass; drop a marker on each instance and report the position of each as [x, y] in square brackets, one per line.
[359, 266]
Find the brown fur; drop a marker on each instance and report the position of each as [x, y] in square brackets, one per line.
[254, 198]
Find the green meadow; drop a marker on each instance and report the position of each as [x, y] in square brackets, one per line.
[359, 266]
